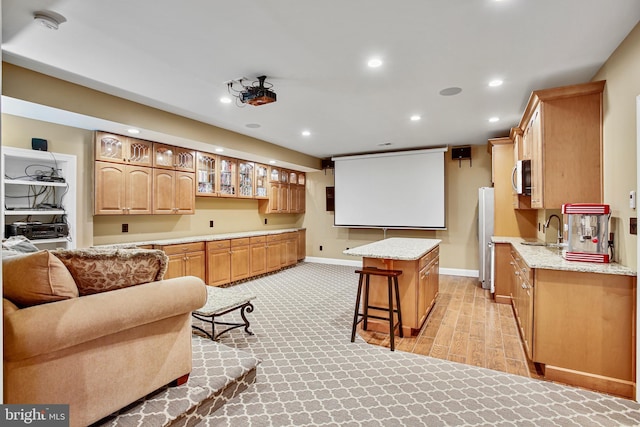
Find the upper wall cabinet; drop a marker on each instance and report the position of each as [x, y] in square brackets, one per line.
[262, 188]
[176, 158]
[246, 179]
[228, 179]
[120, 149]
[206, 174]
[562, 128]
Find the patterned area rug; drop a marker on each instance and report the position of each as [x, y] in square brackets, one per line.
[312, 375]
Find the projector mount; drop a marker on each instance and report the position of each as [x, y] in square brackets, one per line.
[256, 93]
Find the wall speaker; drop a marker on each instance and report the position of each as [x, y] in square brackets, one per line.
[39, 144]
[327, 164]
[458, 153]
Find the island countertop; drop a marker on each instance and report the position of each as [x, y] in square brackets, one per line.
[405, 249]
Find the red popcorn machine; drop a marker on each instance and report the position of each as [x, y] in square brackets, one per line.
[588, 227]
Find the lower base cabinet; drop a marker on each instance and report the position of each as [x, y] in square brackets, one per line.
[274, 253]
[258, 258]
[186, 259]
[578, 327]
[419, 287]
[240, 259]
[218, 262]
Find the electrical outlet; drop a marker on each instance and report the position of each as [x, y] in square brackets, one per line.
[320, 247]
[211, 223]
[265, 221]
[633, 225]
[125, 228]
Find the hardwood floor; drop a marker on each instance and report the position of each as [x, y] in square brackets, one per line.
[466, 326]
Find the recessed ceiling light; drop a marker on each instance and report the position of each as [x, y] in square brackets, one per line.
[415, 118]
[225, 100]
[494, 119]
[495, 83]
[133, 131]
[450, 91]
[374, 62]
[306, 133]
[219, 150]
[253, 125]
[272, 162]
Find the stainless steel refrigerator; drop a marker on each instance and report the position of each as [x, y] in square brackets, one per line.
[485, 231]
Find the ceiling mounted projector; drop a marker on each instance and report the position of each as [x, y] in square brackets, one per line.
[253, 93]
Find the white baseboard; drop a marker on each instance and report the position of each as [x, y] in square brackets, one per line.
[358, 263]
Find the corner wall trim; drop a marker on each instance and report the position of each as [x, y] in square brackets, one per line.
[358, 263]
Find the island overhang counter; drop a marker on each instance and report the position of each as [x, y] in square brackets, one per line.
[418, 259]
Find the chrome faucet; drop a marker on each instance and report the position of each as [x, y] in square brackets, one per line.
[546, 225]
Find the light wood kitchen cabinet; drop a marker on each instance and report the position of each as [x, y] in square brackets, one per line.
[289, 246]
[503, 274]
[174, 192]
[228, 177]
[122, 189]
[246, 179]
[274, 252]
[507, 220]
[185, 259]
[428, 285]
[218, 262]
[173, 158]
[261, 178]
[279, 197]
[302, 244]
[114, 148]
[522, 300]
[240, 259]
[584, 329]
[419, 286]
[258, 258]
[206, 174]
[563, 128]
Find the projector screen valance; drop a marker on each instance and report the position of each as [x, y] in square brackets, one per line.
[402, 189]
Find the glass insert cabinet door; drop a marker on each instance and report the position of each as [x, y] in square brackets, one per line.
[261, 181]
[228, 173]
[121, 149]
[206, 174]
[245, 179]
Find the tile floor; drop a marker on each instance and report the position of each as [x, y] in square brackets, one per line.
[466, 326]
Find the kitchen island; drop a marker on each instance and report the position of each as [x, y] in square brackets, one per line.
[418, 259]
[576, 319]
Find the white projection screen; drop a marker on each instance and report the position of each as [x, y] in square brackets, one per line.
[402, 189]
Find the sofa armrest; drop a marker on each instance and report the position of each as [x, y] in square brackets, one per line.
[46, 328]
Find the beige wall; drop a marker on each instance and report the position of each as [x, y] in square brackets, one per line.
[622, 73]
[459, 248]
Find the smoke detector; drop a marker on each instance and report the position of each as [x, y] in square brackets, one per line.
[47, 19]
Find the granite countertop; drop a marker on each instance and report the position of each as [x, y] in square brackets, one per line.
[395, 248]
[550, 258]
[203, 238]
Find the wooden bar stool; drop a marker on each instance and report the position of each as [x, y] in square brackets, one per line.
[392, 283]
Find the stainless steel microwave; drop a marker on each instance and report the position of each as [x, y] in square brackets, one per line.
[521, 177]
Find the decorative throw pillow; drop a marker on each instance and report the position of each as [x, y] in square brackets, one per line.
[35, 279]
[101, 270]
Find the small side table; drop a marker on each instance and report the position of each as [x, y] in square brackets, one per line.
[221, 301]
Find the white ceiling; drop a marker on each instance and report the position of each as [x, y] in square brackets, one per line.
[177, 56]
